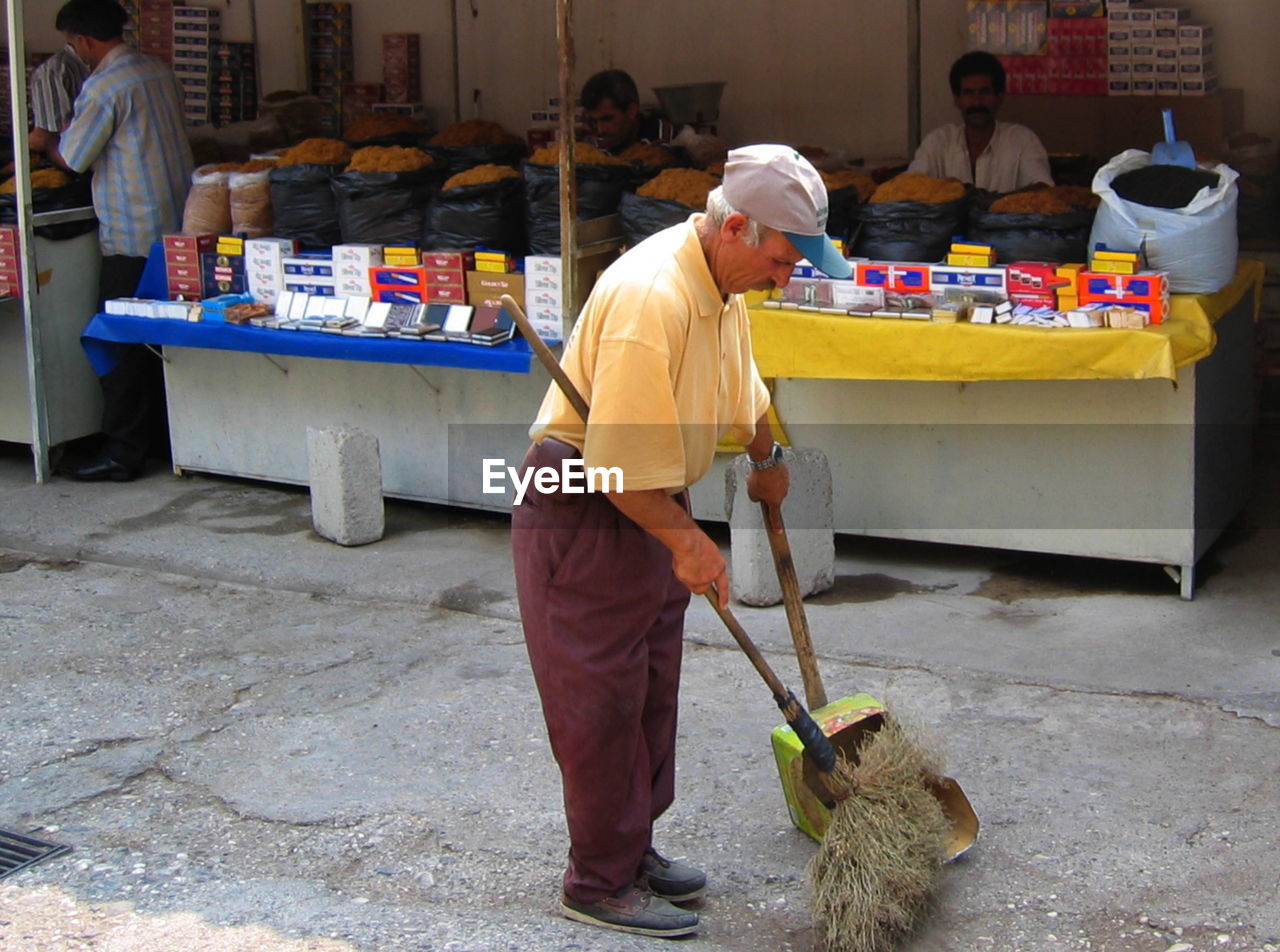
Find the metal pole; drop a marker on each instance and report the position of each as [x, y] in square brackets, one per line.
[457, 81]
[568, 183]
[913, 77]
[26, 240]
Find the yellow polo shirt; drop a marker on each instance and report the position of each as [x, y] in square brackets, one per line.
[664, 363]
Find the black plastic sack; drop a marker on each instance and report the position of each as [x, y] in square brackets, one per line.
[459, 158]
[842, 209]
[383, 208]
[303, 201]
[643, 216]
[907, 231]
[600, 190]
[489, 215]
[78, 193]
[1026, 236]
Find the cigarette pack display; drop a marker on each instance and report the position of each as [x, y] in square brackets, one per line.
[893, 276]
[1146, 290]
[487, 288]
[942, 277]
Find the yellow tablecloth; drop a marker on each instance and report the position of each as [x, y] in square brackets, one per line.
[804, 344]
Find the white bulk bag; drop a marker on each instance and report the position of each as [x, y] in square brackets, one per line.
[1196, 245]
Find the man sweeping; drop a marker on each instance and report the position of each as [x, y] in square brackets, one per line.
[662, 354]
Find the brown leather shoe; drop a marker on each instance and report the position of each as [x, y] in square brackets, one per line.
[633, 909]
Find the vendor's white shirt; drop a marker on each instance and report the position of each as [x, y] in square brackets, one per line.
[1013, 159]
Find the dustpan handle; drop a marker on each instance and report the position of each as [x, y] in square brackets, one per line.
[814, 691]
[1167, 116]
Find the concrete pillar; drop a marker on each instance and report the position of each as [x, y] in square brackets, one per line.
[346, 485]
[809, 519]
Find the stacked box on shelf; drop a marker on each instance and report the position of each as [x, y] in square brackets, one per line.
[330, 59]
[446, 275]
[311, 272]
[264, 266]
[10, 262]
[402, 67]
[1119, 52]
[352, 263]
[1077, 56]
[183, 265]
[234, 87]
[155, 28]
[222, 271]
[1196, 75]
[195, 32]
[358, 99]
[544, 296]
[130, 32]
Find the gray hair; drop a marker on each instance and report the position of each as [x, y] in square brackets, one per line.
[718, 209]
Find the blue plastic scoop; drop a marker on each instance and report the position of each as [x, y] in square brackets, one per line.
[1170, 152]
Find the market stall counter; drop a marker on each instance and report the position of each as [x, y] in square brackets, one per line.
[1123, 444]
[67, 277]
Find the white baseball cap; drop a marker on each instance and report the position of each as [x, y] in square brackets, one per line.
[778, 187]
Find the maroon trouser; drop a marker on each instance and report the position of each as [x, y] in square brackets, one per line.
[603, 618]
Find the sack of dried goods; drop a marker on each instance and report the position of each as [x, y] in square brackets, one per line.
[601, 179]
[481, 207]
[1042, 223]
[382, 195]
[909, 218]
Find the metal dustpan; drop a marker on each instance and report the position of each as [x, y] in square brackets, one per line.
[845, 723]
[1170, 151]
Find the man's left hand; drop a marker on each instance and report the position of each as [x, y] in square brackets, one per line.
[770, 486]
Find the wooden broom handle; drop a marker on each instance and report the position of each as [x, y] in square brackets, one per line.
[547, 358]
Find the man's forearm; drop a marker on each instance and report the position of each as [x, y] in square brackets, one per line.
[659, 515]
[696, 561]
[762, 443]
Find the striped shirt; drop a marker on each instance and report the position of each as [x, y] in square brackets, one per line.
[128, 128]
[54, 86]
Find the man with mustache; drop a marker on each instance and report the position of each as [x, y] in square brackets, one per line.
[997, 156]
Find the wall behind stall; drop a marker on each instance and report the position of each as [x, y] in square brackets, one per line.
[831, 73]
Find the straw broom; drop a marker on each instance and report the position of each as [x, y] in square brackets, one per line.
[876, 869]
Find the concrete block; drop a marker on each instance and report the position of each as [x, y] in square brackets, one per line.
[807, 512]
[346, 485]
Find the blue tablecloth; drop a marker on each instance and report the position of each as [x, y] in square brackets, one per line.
[105, 334]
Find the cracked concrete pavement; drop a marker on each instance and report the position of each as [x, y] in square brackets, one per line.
[254, 739]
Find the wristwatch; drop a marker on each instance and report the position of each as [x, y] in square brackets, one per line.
[770, 461]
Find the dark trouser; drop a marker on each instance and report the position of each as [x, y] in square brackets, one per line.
[134, 421]
[603, 620]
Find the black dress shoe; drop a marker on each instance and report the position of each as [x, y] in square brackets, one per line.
[101, 469]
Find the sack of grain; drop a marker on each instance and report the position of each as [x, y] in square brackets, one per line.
[250, 199]
[1059, 231]
[1195, 242]
[303, 204]
[487, 214]
[600, 189]
[208, 207]
[384, 208]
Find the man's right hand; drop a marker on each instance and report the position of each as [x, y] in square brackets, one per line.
[701, 566]
[695, 559]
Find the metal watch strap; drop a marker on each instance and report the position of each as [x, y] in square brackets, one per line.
[770, 461]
